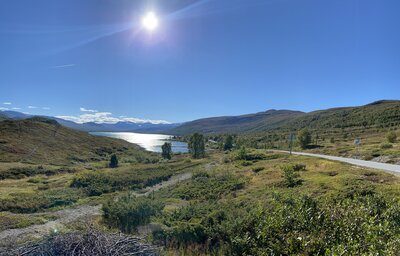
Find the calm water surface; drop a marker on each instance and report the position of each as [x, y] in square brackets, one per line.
[150, 142]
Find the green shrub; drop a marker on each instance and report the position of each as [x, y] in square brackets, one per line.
[248, 155]
[242, 153]
[304, 138]
[128, 212]
[20, 173]
[257, 169]
[386, 146]
[299, 167]
[245, 163]
[93, 183]
[30, 203]
[391, 137]
[299, 225]
[211, 187]
[290, 175]
[365, 225]
[113, 161]
[201, 174]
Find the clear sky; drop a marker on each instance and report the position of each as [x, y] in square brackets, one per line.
[206, 58]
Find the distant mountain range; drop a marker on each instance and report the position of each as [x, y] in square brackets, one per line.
[95, 127]
[384, 113]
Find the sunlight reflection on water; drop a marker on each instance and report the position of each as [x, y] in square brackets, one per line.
[150, 142]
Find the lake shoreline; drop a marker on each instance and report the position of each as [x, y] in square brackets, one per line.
[147, 141]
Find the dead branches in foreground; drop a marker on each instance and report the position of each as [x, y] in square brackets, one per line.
[89, 243]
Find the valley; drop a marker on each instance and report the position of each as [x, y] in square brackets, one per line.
[218, 204]
[199, 128]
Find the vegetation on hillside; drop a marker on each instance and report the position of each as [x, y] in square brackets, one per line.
[128, 212]
[380, 114]
[240, 200]
[43, 141]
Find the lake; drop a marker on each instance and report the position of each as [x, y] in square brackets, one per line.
[150, 142]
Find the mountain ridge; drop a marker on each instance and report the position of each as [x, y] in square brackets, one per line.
[382, 113]
[122, 126]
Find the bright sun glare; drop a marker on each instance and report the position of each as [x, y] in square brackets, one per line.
[150, 21]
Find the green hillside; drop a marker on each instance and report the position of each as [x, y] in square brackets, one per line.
[2, 117]
[380, 114]
[44, 141]
[268, 120]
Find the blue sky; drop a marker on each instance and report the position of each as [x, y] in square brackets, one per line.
[207, 58]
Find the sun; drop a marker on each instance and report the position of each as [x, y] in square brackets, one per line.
[150, 21]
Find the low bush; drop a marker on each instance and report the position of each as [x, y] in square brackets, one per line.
[128, 212]
[201, 174]
[95, 183]
[299, 167]
[245, 154]
[290, 175]
[300, 225]
[257, 169]
[386, 146]
[20, 173]
[245, 163]
[12, 221]
[212, 187]
[364, 225]
[30, 203]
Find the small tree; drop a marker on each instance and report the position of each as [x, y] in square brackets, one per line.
[332, 140]
[228, 143]
[166, 151]
[290, 175]
[316, 139]
[304, 138]
[197, 146]
[242, 153]
[391, 137]
[113, 161]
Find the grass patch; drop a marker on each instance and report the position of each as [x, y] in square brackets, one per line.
[35, 202]
[23, 172]
[95, 183]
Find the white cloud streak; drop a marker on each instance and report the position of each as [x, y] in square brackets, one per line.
[107, 118]
[31, 107]
[45, 108]
[64, 66]
[7, 103]
[88, 110]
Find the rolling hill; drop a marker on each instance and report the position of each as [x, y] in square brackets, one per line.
[45, 141]
[385, 113]
[237, 124]
[3, 117]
